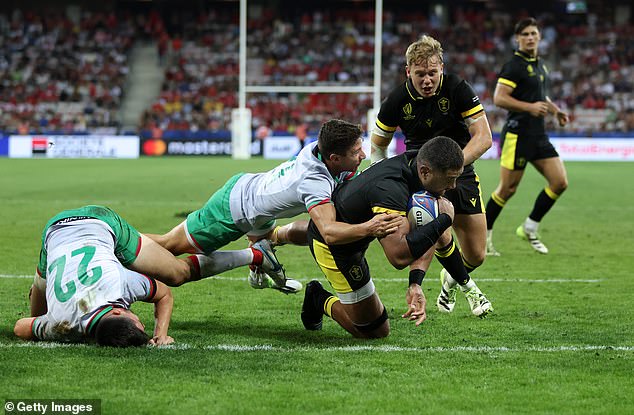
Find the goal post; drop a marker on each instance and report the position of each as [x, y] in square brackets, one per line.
[241, 117]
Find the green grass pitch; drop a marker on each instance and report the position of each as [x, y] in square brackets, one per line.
[561, 340]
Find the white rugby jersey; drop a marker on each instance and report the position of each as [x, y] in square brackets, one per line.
[292, 188]
[85, 281]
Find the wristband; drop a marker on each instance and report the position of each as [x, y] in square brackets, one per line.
[416, 276]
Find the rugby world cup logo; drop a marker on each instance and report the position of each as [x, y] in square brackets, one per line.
[407, 109]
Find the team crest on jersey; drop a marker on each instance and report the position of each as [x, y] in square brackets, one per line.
[443, 104]
[407, 109]
[356, 273]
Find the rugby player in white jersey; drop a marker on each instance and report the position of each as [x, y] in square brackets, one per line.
[250, 203]
[83, 289]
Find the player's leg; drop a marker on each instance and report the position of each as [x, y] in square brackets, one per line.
[356, 306]
[553, 170]
[158, 262]
[295, 233]
[454, 276]
[470, 231]
[506, 188]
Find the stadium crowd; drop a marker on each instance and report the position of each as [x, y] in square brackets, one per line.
[58, 74]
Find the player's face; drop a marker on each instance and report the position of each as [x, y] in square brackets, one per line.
[426, 76]
[438, 182]
[528, 40]
[118, 312]
[352, 159]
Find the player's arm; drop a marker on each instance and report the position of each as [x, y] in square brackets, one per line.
[37, 296]
[503, 99]
[414, 296]
[335, 233]
[481, 138]
[163, 305]
[562, 117]
[23, 328]
[378, 149]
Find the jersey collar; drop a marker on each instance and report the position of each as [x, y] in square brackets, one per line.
[415, 95]
[525, 56]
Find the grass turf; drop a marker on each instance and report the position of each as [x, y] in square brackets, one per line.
[561, 339]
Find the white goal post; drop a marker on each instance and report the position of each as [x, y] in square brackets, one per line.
[241, 116]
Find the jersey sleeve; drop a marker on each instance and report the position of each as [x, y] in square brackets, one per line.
[43, 328]
[387, 119]
[41, 265]
[508, 76]
[315, 190]
[467, 101]
[138, 287]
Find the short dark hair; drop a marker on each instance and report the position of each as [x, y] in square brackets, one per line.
[441, 153]
[337, 136]
[524, 23]
[119, 332]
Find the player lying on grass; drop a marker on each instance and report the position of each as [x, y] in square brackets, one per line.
[385, 187]
[82, 289]
[250, 204]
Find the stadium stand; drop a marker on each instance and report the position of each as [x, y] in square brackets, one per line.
[63, 75]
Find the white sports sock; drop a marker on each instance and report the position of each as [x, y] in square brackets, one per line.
[220, 261]
[530, 225]
[469, 285]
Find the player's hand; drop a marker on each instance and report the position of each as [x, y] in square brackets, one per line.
[384, 224]
[416, 304]
[445, 206]
[539, 108]
[161, 340]
[563, 118]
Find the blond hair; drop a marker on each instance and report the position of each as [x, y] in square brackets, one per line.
[423, 50]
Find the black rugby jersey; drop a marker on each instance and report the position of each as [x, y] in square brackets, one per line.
[528, 77]
[385, 186]
[422, 119]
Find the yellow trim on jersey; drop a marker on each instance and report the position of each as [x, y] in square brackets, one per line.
[472, 111]
[507, 160]
[378, 209]
[326, 262]
[384, 127]
[498, 200]
[328, 305]
[444, 253]
[477, 180]
[550, 193]
[507, 82]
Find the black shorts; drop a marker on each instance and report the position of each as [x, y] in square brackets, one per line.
[467, 196]
[519, 149]
[344, 266]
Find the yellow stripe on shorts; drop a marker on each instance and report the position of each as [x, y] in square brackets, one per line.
[326, 262]
[507, 160]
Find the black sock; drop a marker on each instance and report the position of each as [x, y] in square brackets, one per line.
[450, 258]
[545, 200]
[493, 209]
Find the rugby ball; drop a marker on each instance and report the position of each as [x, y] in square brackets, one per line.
[422, 208]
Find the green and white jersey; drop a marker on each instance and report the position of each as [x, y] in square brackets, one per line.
[84, 279]
[292, 188]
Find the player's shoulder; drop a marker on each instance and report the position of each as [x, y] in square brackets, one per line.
[398, 93]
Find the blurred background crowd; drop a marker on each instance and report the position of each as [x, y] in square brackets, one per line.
[71, 69]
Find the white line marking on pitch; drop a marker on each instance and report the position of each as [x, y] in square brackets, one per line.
[369, 348]
[399, 280]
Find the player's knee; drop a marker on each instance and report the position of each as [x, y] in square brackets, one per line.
[560, 186]
[375, 329]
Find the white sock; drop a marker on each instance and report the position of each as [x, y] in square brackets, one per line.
[530, 225]
[489, 234]
[469, 285]
[220, 261]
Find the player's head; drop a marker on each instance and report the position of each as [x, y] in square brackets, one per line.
[425, 65]
[527, 35]
[440, 162]
[340, 145]
[121, 328]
